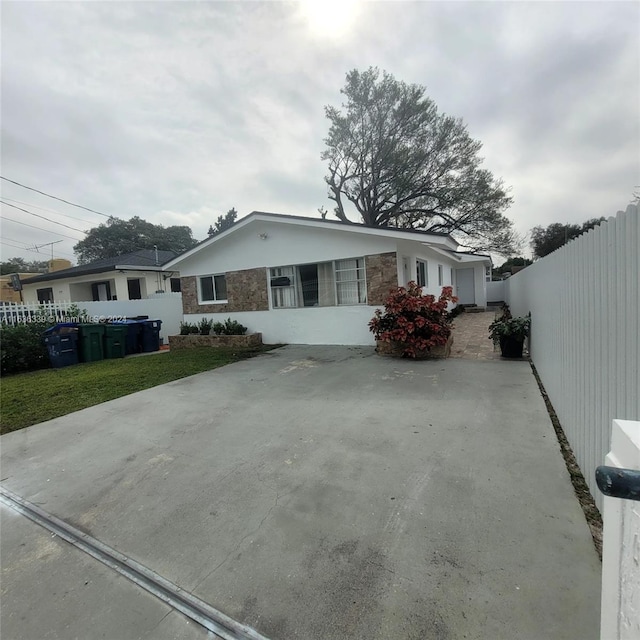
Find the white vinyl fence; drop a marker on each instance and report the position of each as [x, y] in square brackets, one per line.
[585, 310]
[166, 307]
[496, 291]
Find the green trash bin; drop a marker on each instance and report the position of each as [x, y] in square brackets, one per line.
[115, 340]
[91, 342]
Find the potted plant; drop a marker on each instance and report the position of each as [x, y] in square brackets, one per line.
[510, 332]
[205, 326]
[414, 325]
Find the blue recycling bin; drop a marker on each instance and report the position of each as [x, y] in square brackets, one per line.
[61, 341]
[151, 335]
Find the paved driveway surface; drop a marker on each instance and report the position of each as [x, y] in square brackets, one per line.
[320, 492]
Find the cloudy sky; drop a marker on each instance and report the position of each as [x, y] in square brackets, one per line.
[178, 111]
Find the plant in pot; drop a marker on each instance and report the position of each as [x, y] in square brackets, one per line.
[204, 326]
[413, 324]
[510, 332]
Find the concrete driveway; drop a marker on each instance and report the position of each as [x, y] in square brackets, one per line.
[312, 492]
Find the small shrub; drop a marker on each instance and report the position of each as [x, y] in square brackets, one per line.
[205, 326]
[417, 322]
[229, 328]
[22, 348]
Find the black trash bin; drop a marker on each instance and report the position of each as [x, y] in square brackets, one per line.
[62, 344]
[134, 335]
[151, 335]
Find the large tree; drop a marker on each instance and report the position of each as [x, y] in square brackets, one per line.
[401, 163]
[544, 240]
[223, 222]
[117, 236]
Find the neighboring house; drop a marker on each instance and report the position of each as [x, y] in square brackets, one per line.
[132, 276]
[7, 291]
[310, 281]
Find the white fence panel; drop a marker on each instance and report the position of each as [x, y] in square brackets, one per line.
[166, 307]
[620, 618]
[496, 291]
[585, 309]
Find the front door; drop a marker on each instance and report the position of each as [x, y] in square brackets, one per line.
[465, 286]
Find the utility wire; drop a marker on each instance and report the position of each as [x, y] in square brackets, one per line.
[37, 249]
[35, 206]
[40, 228]
[37, 215]
[73, 204]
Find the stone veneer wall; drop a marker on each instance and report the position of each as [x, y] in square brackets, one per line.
[382, 276]
[192, 341]
[246, 291]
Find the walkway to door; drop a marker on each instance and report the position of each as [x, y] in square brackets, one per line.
[470, 337]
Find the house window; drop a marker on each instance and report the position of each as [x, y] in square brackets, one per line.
[134, 289]
[440, 275]
[487, 274]
[351, 286]
[451, 275]
[45, 295]
[421, 273]
[213, 288]
[322, 284]
[175, 285]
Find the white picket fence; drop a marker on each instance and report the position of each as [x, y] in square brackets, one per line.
[585, 309]
[166, 307]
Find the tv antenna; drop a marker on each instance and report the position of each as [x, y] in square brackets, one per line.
[36, 247]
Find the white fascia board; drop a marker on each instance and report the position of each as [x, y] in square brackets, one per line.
[132, 267]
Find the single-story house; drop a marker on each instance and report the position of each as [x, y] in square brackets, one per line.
[311, 281]
[132, 276]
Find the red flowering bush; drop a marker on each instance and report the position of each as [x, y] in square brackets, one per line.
[415, 321]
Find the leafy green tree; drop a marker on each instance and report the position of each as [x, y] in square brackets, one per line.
[545, 240]
[116, 237]
[20, 265]
[507, 266]
[223, 222]
[400, 163]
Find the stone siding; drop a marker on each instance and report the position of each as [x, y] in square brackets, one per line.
[246, 291]
[382, 276]
[189, 342]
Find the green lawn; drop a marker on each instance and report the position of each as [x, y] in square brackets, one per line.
[29, 398]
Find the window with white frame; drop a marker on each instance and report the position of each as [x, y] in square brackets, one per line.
[351, 286]
[213, 288]
[422, 273]
[322, 284]
[440, 275]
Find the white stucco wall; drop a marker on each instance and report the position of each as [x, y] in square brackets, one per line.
[311, 325]
[284, 245]
[78, 289]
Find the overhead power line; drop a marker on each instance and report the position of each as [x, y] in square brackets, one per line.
[58, 213]
[73, 204]
[37, 215]
[40, 228]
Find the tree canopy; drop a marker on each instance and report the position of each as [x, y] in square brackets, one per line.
[20, 265]
[401, 163]
[507, 266]
[116, 237]
[223, 222]
[544, 240]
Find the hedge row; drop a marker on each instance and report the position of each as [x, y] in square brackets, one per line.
[22, 348]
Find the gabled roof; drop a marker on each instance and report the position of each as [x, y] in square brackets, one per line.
[408, 234]
[142, 260]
